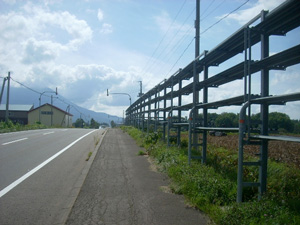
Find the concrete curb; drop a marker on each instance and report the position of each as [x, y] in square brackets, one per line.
[78, 184]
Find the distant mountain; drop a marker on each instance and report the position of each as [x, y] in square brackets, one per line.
[24, 96]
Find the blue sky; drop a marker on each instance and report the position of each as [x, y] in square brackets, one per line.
[85, 47]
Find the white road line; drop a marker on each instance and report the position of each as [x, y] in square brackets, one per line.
[7, 143]
[48, 133]
[31, 172]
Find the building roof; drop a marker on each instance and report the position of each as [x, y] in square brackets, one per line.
[12, 107]
[69, 114]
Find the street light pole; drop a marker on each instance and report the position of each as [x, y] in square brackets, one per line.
[40, 99]
[7, 100]
[120, 94]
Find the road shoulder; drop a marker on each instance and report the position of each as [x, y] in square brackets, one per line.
[120, 188]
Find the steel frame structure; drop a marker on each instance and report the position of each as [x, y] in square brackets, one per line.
[155, 110]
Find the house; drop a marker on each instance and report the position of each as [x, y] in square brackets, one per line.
[16, 113]
[50, 115]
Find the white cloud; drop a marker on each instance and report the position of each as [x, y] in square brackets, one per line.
[243, 16]
[37, 35]
[100, 15]
[280, 77]
[37, 22]
[106, 28]
[163, 21]
[39, 51]
[166, 24]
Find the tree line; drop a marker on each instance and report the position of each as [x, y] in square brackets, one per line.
[93, 124]
[278, 122]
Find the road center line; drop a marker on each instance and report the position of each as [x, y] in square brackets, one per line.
[31, 172]
[7, 143]
[48, 133]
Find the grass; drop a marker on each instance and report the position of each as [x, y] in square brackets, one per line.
[141, 152]
[212, 187]
[96, 140]
[89, 156]
[9, 126]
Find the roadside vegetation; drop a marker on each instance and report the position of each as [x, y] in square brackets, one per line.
[9, 126]
[80, 123]
[212, 187]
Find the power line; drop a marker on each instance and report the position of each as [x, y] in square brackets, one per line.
[212, 11]
[224, 17]
[31, 89]
[212, 2]
[207, 30]
[178, 45]
[175, 34]
[181, 55]
[175, 47]
[25, 86]
[146, 67]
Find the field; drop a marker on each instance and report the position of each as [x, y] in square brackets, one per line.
[279, 151]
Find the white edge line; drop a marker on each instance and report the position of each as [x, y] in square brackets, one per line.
[24, 177]
[7, 143]
[51, 132]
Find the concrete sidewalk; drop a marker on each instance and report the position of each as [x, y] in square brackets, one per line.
[120, 188]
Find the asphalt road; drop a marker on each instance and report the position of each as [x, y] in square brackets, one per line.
[41, 173]
[122, 188]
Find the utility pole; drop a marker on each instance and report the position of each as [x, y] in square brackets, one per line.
[2, 89]
[197, 51]
[51, 110]
[141, 89]
[7, 99]
[195, 74]
[197, 27]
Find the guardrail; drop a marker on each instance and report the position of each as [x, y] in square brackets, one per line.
[156, 108]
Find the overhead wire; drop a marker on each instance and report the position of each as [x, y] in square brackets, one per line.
[207, 30]
[211, 26]
[212, 11]
[168, 55]
[173, 38]
[25, 86]
[211, 2]
[176, 46]
[161, 41]
[181, 55]
[35, 91]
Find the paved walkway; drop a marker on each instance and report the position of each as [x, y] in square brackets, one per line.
[120, 188]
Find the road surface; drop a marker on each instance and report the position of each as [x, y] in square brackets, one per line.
[120, 188]
[41, 173]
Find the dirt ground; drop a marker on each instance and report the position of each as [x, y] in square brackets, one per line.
[281, 151]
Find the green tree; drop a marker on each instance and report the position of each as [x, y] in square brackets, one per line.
[113, 124]
[211, 118]
[279, 120]
[94, 124]
[296, 124]
[227, 120]
[79, 123]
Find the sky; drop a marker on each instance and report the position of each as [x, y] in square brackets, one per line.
[84, 47]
